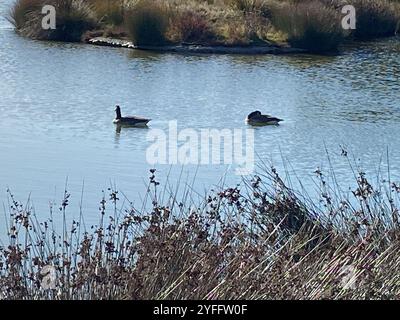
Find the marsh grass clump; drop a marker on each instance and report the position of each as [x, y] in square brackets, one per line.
[189, 26]
[147, 23]
[376, 19]
[261, 7]
[313, 25]
[73, 18]
[109, 12]
[21, 12]
[309, 25]
[259, 240]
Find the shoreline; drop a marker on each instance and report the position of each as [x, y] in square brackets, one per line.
[227, 27]
[196, 49]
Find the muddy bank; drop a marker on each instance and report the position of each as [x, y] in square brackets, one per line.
[250, 50]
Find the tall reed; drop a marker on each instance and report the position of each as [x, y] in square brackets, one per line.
[262, 240]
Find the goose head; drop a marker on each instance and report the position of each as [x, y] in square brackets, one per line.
[254, 114]
[118, 112]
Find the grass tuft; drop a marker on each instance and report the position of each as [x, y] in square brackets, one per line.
[309, 25]
[147, 23]
[190, 26]
[109, 12]
[73, 19]
[376, 19]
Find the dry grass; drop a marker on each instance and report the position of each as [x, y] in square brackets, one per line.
[22, 10]
[310, 24]
[73, 18]
[190, 26]
[260, 241]
[260, 7]
[109, 11]
[147, 23]
[376, 18]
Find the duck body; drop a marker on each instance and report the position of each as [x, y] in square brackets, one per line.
[256, 118]
[129, 120]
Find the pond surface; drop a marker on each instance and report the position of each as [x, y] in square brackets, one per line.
[57, 104]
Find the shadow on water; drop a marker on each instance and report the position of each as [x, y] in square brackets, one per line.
[296, 60]
[144, 55]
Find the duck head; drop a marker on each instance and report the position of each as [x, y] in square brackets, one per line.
[118, 112]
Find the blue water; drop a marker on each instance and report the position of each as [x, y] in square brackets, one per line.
[57, 104]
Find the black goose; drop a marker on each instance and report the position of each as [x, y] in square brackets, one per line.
[130, 120]
[257, 119]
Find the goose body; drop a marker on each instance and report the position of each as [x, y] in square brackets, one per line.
[130, 120]
[256, 118]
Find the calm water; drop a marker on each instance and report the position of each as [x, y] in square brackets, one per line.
[57, 103]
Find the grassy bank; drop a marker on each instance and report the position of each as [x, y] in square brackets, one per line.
[311, 24]
[260, 241]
